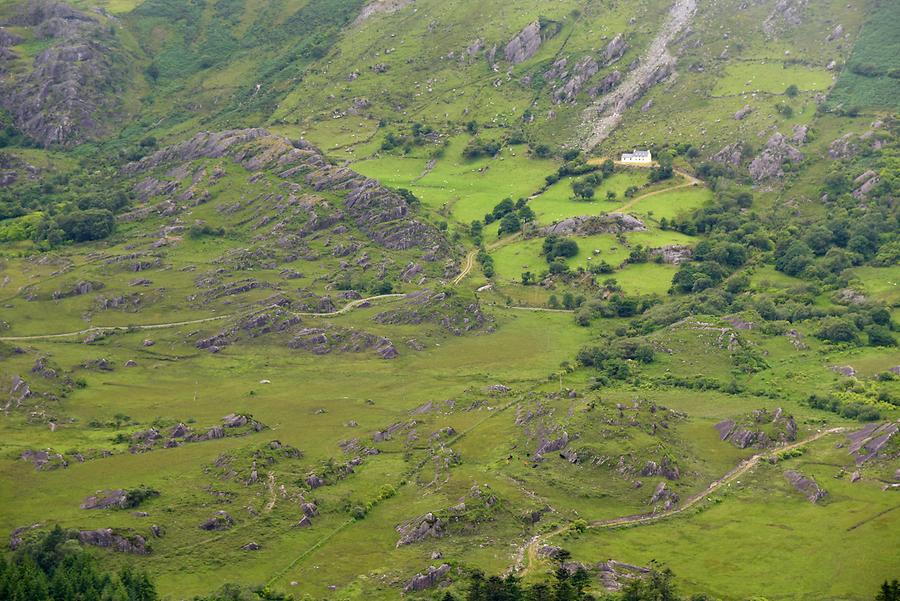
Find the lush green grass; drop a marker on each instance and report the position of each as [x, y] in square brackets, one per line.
[557, 202]
[881, 283]
[763, 522]
[770, 77]
[672, 204]
[878, 52]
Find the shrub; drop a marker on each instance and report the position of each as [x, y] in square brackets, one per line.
[82, 226]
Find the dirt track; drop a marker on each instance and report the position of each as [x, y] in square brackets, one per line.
[529, 549]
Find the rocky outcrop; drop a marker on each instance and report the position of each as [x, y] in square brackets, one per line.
[613, 574]
[582, 72]
[78, 289]
[785, 14]
[743, 113]
[836, 33]
[382, 214]
[760, 429]
[805, 485]
[427, 526]
[844, 147]
[665, 468]
[732, 154]
[8, 38]
[219, 521]
[606, 85]
[19, 390]
[18, 536]
[869, 441]
[611, 223]
[110, 499]
[663, 494]
[769, 163]
[614, 50]
[673, 254]
[655, 65]
[322, 341]
[74, 84]
[524, 44]
[864, 184]
[549, 445]
[454, 314]
[376, 7]
[110, 539]
[431, 577]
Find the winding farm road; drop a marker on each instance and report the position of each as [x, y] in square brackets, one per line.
[467, 267]
[529, 550]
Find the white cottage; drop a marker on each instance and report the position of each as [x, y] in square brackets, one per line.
[638, 156]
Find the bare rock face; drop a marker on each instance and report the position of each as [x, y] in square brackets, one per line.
[525, 44]
[614, 50]
[581, 73]
[805, 485]
[864, 184]
[429, 579]
[611, 223]
[546, 445]
[607, 84]
[74, 84]
[869, 441]
[19, 390]
[768, 164]
[110, 539]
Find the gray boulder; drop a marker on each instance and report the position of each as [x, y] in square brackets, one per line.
[110, 499]
[427, 526]
[219, 521]
[614, 50]
[805, 485]
[110, 539]
[429, 579]
[768, 164]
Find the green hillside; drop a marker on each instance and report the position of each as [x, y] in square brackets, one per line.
[353, 299]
